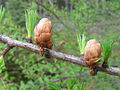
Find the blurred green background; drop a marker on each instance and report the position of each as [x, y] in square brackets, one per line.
[26, 70]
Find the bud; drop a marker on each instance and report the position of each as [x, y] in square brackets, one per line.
[62, 43]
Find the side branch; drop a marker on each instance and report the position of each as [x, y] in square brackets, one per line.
[58, 55]
[6, 50]
[56, 16]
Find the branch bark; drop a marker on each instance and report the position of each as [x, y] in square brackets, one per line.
[7, 49]
[58, 55]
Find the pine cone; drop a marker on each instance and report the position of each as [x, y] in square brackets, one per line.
[92, 53]
[43, 34]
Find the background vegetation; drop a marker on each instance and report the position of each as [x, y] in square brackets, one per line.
[26, 70]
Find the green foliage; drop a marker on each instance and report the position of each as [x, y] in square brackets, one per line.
[53, 86]
[82, 87]
[71, 83]
[82, 42]
[31, 20]
[2, 64]
[15, 11]
[107, 47]
[100, 59]
[2, 12]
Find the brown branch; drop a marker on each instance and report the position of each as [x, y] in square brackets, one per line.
[7, 49]
[40, 4]
[65, 77]
[1, 78]
[58, 55]
[9, 81]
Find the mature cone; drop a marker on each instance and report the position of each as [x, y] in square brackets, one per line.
[91, 54]
[43, 34]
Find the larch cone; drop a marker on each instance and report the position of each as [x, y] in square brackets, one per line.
[91, 54]
[43, 34]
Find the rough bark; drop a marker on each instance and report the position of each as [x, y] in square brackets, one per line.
[58, 55]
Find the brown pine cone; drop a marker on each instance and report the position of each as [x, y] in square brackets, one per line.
[43, 34]
[92, 53]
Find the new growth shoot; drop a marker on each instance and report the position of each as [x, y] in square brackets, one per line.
[82, 42]
[2, 12]
[31, 20]
[107, 47]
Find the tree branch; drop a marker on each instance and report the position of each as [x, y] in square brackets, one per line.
[9, 81]
[3, 83]
[7, 49]
[58, 55]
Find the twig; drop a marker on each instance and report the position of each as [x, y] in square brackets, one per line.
[3, 83]
[56, 16]
[40, 4]
[9, 81]
[65, 77]
[6, 50]
[58, 55]
[51, 3]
